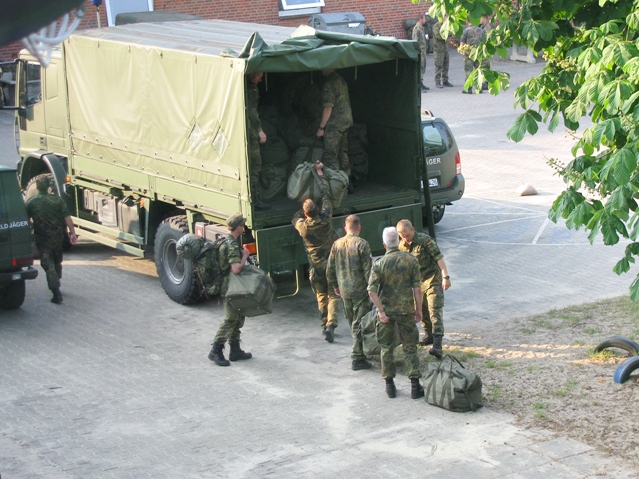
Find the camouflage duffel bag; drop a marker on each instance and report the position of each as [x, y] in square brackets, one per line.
[304, 183]
[250, 293]
[449, 385]
[370, 345]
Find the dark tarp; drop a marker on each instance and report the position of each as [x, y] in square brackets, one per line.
[322, 50]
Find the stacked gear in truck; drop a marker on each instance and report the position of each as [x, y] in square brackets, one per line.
[141, 160]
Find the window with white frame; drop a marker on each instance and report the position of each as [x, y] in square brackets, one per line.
[115, 7]
[295, 8]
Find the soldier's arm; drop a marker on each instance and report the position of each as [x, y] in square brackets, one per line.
[417, 293]
[72, 236]
[327, 206]
[366, 259]
[445, 277]
[331, 275]
[237, 259]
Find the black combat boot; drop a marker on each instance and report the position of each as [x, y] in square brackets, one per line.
[361, 364]
[217, 355]
[416, 389]
[428, 339]
[436, 350]
[57, 296]
[236, 352]
[391, 390]
[328, 335]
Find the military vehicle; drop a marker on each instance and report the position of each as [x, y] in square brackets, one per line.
[16, 259]
[143, 129]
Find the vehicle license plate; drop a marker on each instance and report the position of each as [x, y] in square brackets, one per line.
[433, 182]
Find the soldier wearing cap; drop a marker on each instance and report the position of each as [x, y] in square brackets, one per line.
[232, 258]
[51, 218]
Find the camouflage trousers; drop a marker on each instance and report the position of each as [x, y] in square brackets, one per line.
[409, 335]
[422, 63]
[355, 310]
[51, 262]
[433, 307]
[441, 65]
[327, 300]
[255, 163]
[469, 65]
[229, 330]
[336, 150]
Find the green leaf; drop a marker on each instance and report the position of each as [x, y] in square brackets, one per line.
[609, 227]
[624, 163]
[554, 121]
[634, 289]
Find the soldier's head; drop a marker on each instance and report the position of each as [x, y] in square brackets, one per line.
[235, 224]
[406, 230]
[43, 183]
[352, 224]
[309, 208]
[485, 19]
[390, 237]
[422, 19]
[256, 77]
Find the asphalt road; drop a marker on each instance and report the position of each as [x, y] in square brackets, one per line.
[115, 382]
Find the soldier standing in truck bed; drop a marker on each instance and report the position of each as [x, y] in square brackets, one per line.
[315, 226]
[256, 136]
[336, 119]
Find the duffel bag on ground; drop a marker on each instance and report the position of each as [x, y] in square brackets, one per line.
[250, 293]
[369, 334]
[449, 385]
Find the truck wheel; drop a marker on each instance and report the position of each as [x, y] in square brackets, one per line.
[12, 295]
[438, 213]
[176, 275]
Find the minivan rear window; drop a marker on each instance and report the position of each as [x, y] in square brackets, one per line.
[437, 140]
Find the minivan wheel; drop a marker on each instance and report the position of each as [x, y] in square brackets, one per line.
[438, 213]
[176, 275]
[12, 295]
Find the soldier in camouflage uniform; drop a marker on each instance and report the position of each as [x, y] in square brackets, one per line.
[337, 118]
[472, 36]
[50, 218]
[440, 52]
[232, 258]
[394, 289]
[435, 280]
[419, 36]
[486, 27]
[349, 266]
[428, 30]
[315, 226]
[256, 136]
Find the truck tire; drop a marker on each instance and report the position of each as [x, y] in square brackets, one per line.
[438, 213]
[619, 342]
[625, 369]
[12, 295]
[176, 275]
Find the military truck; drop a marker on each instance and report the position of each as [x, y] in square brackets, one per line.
[143, 128]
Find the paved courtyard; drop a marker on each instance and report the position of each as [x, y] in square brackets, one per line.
[115, 382]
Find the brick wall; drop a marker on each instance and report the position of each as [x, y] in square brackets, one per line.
[383, 16]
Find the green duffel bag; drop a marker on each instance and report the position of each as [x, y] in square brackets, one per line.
[369, 334]
[250, 293]
[447, 384]
[304, 183]
[189, 246]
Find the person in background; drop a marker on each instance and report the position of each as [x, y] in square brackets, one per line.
[256, 137]
[50, 218]
[442, 59]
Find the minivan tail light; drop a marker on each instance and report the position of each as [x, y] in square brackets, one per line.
[27, 261]
[457, 164]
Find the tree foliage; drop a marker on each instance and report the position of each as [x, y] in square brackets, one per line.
[591, 48]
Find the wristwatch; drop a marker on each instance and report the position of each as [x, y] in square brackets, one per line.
[446, 277]
[322, 128]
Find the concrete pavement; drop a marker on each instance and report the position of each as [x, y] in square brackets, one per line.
[115, 382]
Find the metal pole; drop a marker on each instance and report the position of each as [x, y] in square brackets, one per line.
[98, 14]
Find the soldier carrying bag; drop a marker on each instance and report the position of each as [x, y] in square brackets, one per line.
[449, 385]
[205, 258]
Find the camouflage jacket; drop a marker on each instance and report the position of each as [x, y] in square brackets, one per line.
[486, 27]
[48, 213]
[425, 249]
[229, 253]
[437, 34]
[335, 95]
[472, 36]
[393, 277]
[317, 233]
[419, 36]
[252, 101]
[349, 266]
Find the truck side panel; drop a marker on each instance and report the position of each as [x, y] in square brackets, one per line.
[181, 121]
